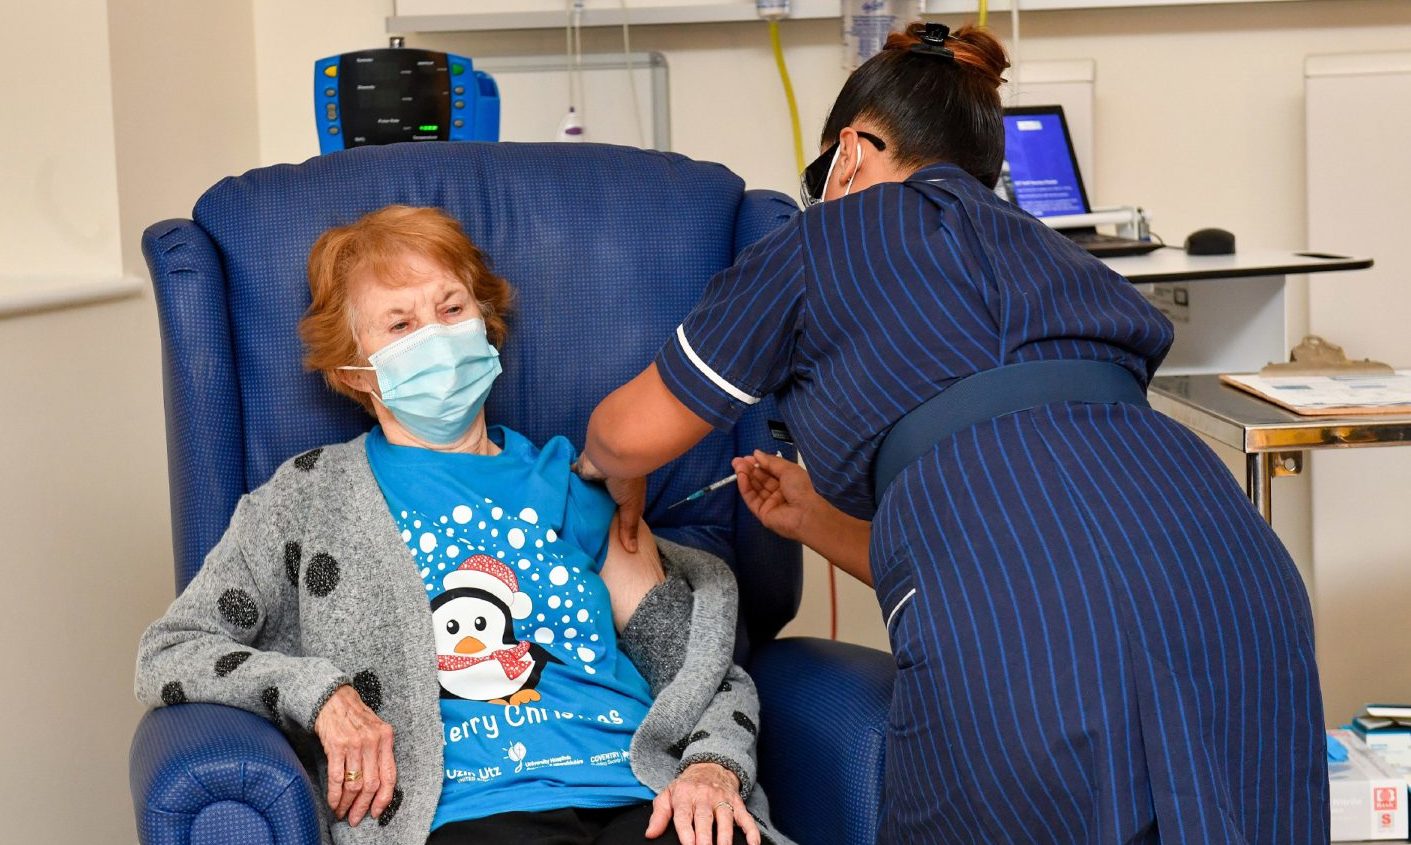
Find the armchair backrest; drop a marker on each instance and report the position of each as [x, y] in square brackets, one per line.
[607, 249]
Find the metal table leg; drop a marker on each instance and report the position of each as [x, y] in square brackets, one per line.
[1259, 482]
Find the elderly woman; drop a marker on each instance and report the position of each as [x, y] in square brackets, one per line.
[439, 613]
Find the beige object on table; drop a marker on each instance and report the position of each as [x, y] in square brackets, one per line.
[1317, 357]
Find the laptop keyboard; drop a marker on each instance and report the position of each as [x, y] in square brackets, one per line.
[1096, 239]
[1111, 246]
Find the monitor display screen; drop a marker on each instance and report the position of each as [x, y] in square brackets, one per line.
[394, 95]
[1042, 174]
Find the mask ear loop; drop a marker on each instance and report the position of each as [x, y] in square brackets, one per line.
[828, 180]
[855, 169]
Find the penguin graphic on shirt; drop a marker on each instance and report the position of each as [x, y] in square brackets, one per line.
[478, 656]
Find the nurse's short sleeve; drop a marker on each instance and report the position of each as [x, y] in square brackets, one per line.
[737, 344]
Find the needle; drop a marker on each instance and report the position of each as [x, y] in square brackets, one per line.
[711, 488]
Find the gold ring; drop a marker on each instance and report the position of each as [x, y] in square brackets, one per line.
[727, 804]
[351, 777]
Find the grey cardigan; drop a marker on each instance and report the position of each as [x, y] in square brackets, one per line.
[311, 588]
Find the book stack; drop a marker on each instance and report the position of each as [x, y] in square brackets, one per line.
[1386, 728]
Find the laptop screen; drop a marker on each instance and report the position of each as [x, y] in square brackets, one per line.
[1042, 170]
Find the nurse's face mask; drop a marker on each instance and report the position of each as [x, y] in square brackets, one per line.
[813, 183]
[435, 380]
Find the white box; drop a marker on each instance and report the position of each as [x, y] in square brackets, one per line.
[1393, 744]
[1368, 796]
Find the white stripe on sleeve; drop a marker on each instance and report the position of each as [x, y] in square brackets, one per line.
[712, 374]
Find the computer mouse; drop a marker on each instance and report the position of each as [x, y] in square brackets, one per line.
[1210, 242]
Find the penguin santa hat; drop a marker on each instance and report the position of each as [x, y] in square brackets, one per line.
[482, 572]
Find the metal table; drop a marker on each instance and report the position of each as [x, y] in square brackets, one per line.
[1273, 440]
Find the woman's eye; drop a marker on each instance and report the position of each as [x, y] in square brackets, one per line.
[399, 327]
[455, 309]
[480, 623]
[452, 626]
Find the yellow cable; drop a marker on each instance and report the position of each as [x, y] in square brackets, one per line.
[983, 19]
[788, 94]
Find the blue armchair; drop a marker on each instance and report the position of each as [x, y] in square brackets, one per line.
[607, 249]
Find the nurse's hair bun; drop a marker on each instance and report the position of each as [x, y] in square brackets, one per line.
[930, 99]
[975, 49]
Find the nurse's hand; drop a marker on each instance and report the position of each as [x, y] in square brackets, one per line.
[703, 797]
[629, 576]
[631, 497]
[629, 493]
[780, 494]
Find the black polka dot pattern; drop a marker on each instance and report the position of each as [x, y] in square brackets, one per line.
[172, 693]
[369, 688]
[308, 460]
[724, 687]
[293, 555]
[238, 608]
[392, 808]
[228, 663]
[322, 575]
[270, 698]
[685, 742]
[745, 722]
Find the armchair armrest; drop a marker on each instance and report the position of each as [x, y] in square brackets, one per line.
[823, 731]
[206, 773]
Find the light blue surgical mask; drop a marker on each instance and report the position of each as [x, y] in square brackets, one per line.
[435, 380]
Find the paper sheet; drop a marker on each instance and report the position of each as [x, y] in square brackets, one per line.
[1329, 394]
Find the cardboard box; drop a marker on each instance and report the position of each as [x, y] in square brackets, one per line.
[1367, 795]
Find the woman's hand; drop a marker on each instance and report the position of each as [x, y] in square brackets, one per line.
[630, 495]
[628, 576]
[705, 796]
[780, 494]
[359, 743]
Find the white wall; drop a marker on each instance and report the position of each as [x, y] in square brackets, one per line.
[58, 206]
[137, 134]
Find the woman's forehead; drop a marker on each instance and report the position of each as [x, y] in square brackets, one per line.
[403, 277]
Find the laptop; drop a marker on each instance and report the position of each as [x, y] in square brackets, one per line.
[1041, 176]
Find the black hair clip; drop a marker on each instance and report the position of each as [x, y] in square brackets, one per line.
[933, 41]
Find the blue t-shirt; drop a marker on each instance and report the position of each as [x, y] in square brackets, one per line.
[538, 705]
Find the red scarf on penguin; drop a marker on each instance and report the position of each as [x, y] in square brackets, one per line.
[482, 572]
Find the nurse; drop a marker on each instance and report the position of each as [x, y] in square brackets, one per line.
[1097, 638]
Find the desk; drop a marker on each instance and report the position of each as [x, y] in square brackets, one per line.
[1174, 265]
[1230, 311]
[1272, 440]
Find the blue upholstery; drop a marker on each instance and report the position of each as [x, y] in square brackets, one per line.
[823, 735]
[607, 249]
[187, 789]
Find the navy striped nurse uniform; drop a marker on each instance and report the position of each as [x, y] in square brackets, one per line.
[1097, 638]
